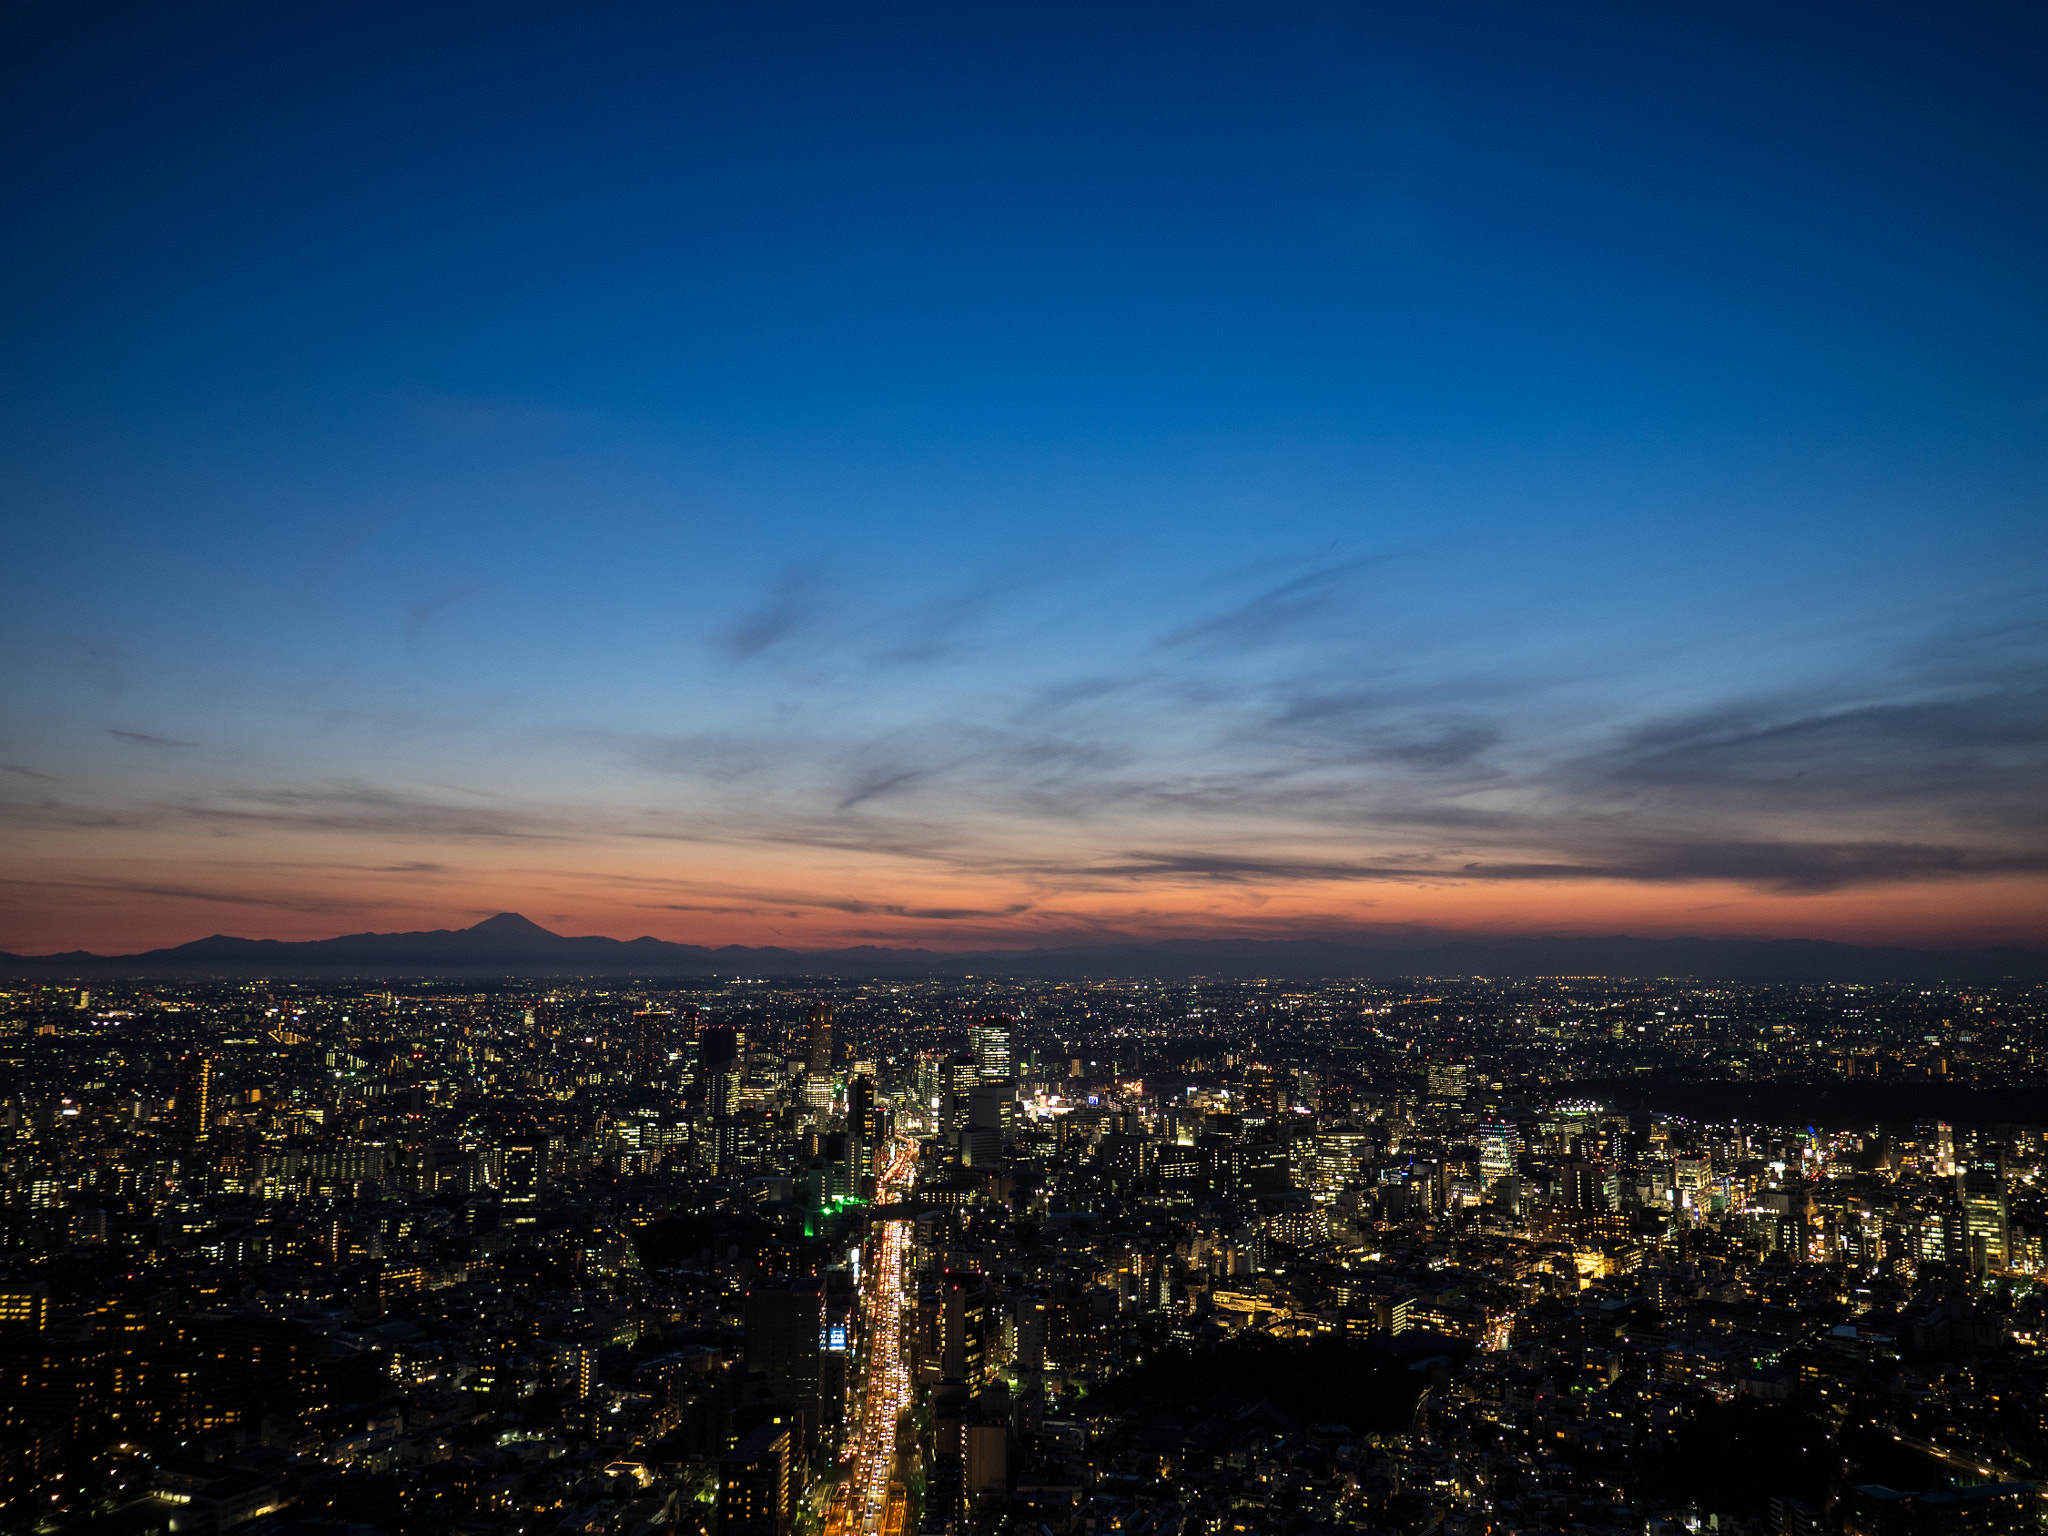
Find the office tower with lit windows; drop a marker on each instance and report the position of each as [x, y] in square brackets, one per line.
[524, 1177]
[1986, 1236]
[24, 1308]
[864, 1130]
[757, 1483]
[720, 1056]
[1498, 1144]
[819, 1085]
[650, 1041]
[991, 1112]
[990, 1044]
[1588, 1186]
[962, 1072]
[1264, 1093]
[582, 1361]
[954, 1311]
[818, 1056]
[195, 1097]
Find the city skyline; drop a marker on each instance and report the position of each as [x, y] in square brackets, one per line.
[1026, 478]
[863, 1256]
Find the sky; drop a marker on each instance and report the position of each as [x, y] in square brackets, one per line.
[1008, 474]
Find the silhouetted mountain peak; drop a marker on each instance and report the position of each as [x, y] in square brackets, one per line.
[511, 925]
[511, 945]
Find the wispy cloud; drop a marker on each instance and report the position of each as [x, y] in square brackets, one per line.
[421, 616]
[1962, 754]
[182, 892]
[144, 739]
[1306, 595]
[355, 807]
[792, 604]
[935, 914]
[1256, 753]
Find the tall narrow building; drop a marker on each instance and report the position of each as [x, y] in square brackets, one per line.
[1986, 1238]
[719, 1067]
[784, 1319]
[757, 1481]
[864, 1124]
[195, 1096]
[650, 1041]
[818, 1062]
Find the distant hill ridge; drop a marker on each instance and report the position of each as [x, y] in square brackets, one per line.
[510, 945]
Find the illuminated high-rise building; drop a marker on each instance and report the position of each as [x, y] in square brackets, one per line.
[24, 1307]
[719, 1067]
[1985, 1232]
[864, 1125]
[991, 1112]
[818, 1059]
[1266, 1093]
[1587, 1186]
[583, 1369]
[1498, 1143]
[961, 1072]
[525, 1174]
[819, 1084]
[990, 1044]
[195, 1097]
[650, 1040]
[757, 1483]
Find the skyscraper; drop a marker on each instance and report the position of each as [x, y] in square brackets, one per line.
[962, 1072]
[650, 1041]
[718, 1067]
[195, 1097]
[525, 1171]
[1985, 1235]
[1587, 1186]
[583, 1369]
[785, 1321]
[755, 1483]
[990, 1044]
[1498, 1143]
[954, 1311]
[818, 1061]
[991, 1108]
[718, 1047]
[1266, 1093]
[863, 1121]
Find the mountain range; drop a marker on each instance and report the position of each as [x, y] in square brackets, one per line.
[509, 945]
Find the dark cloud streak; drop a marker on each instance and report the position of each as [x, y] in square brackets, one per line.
[144, 739]
[1302, 597]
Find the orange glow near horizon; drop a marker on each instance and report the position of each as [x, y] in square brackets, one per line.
[834, 899]
[762, 491]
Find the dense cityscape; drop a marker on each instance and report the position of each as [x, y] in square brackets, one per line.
[748, 1259]
[1020, 769]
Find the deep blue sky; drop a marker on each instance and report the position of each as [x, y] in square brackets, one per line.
[840, 472]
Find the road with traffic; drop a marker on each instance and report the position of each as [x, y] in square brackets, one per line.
[865, 1503]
